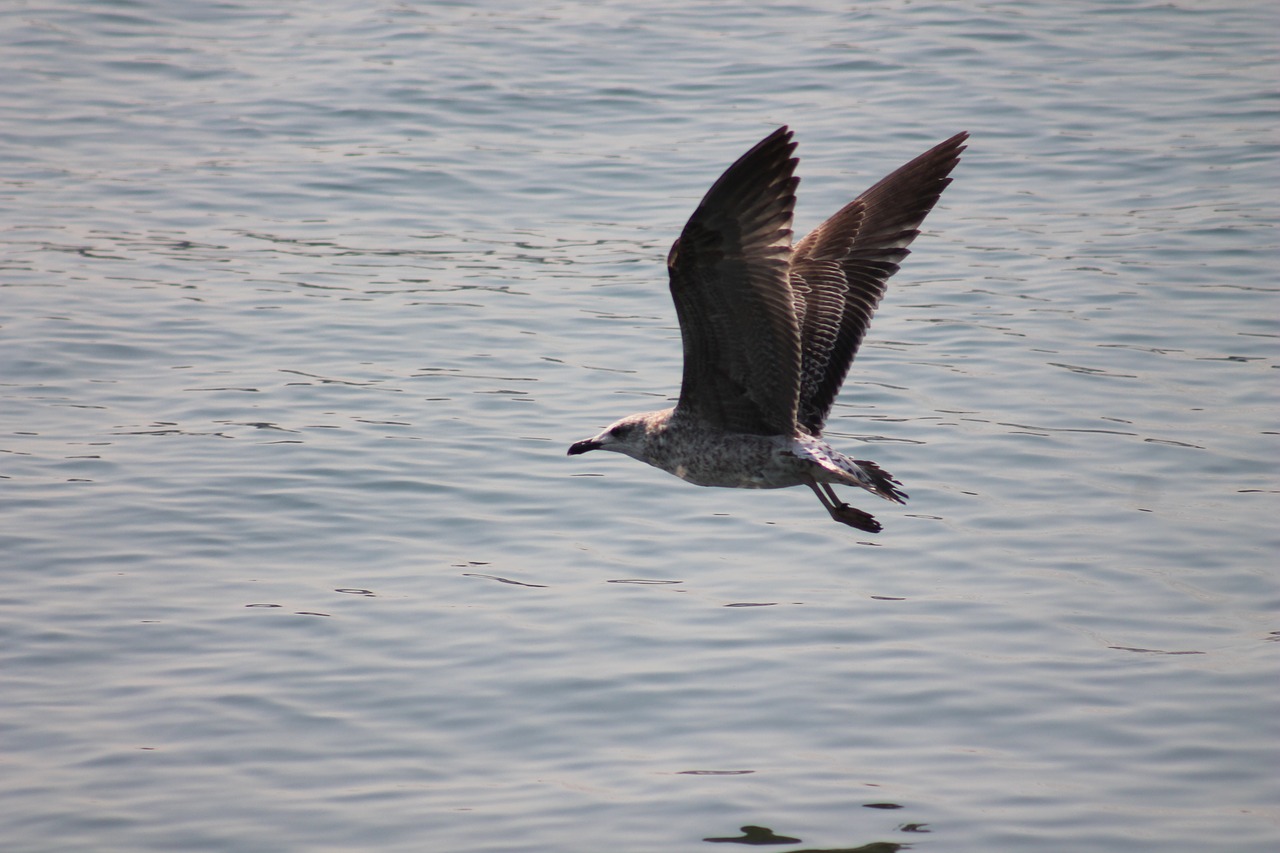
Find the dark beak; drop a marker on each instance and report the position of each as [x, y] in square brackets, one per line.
[584, 446]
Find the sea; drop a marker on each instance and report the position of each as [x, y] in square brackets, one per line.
[302, 304]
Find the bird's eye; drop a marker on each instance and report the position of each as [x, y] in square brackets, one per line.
[620, 431]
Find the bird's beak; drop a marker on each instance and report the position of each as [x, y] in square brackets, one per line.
[583, 446]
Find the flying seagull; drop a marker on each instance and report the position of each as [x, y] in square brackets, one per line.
[770, 329]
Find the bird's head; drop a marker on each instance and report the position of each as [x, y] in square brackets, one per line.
[629, 436]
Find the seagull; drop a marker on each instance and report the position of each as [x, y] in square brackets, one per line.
[770, 328]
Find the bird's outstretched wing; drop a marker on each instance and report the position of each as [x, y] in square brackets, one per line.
[731, 286]
[839, 271]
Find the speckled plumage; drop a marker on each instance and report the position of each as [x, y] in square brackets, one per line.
[770, 329]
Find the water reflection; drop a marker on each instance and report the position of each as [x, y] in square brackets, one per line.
[762, 836]
[756, 835]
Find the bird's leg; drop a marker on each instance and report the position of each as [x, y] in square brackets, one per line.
[841, 511]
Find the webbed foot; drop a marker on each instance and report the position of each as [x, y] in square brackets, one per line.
[855, 517]
[841, 511]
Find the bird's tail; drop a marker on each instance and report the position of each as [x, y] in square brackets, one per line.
[881, 482]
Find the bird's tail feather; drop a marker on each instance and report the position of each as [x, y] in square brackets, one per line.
[882, 482]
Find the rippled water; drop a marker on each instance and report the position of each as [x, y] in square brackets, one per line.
[300, 308]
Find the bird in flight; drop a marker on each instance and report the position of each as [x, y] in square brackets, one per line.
[770, 328]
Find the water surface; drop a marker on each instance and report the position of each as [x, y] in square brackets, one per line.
[300, 309]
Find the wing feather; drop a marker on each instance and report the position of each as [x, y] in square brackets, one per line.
[843, 266]
[730, 283]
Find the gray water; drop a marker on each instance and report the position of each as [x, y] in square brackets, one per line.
[301, 305]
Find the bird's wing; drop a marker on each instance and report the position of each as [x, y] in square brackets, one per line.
[730, 283]
[842, 266]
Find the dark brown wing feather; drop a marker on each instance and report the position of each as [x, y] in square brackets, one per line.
[730, 282]
[840, 270]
